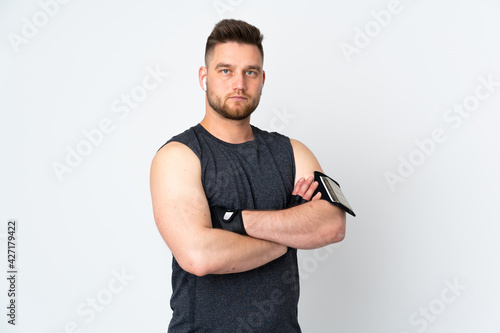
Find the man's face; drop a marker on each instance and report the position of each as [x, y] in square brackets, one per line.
[234, 80]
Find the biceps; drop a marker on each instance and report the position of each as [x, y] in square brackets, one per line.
[180, 208]
[179, 204]
[180, 222]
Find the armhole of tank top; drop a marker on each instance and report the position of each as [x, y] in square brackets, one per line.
[293, 160]
[202, 176]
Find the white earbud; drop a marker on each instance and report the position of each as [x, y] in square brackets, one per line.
[205, 83]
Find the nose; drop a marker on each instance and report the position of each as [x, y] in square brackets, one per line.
[239, 82]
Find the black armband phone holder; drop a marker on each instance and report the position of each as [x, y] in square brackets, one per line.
[330, 191]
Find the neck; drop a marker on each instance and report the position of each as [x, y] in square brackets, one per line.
[227, 130]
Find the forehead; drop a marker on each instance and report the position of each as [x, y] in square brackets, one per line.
[236, 54]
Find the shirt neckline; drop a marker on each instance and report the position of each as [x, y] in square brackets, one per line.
[243, 144]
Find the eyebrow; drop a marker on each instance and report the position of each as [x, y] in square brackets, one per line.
[223, 65]
[220, 65]
[257, 68]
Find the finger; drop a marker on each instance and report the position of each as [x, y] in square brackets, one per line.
[317, 196]
[298, 186]
[310, 191]
[304, 186]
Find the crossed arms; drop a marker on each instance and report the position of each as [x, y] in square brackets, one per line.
[182, 216]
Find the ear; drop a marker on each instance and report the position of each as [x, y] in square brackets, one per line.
[263, 81]
[202, 77]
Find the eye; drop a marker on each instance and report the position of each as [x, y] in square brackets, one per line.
[225, 71]
[251, 73]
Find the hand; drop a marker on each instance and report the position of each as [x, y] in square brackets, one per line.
[303, 191]
[306, 188]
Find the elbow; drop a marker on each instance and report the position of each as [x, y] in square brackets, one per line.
[339, 228]
[336, 227]
[331, 229]
[338, 235]
[194, 263]
[198, 270]
[332, 232]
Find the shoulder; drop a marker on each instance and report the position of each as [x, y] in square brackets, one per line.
[187, 137]
[174, 169]
[174, 153]
[297, 145]
[305, 161]
[300, 149]
[173, 149]
[177, 154]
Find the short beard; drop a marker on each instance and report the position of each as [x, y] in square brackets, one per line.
[221, 108]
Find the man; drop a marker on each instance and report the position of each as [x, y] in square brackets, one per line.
[243, 277]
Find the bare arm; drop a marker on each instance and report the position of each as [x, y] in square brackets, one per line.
[308, 226]
[182, 216]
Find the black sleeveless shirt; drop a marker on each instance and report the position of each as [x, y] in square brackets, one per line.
[257, 174]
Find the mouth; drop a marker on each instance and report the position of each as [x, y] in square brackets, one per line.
[238, 98]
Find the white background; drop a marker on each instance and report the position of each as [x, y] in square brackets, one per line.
[361, 114]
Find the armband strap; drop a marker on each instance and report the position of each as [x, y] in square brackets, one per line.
[229, 220]
[330, 191]
[295, 200]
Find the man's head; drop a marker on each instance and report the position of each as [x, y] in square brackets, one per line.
[230, 30]
[233, 76]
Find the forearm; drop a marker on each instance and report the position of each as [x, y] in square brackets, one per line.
[308, 226]
[221, 252]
